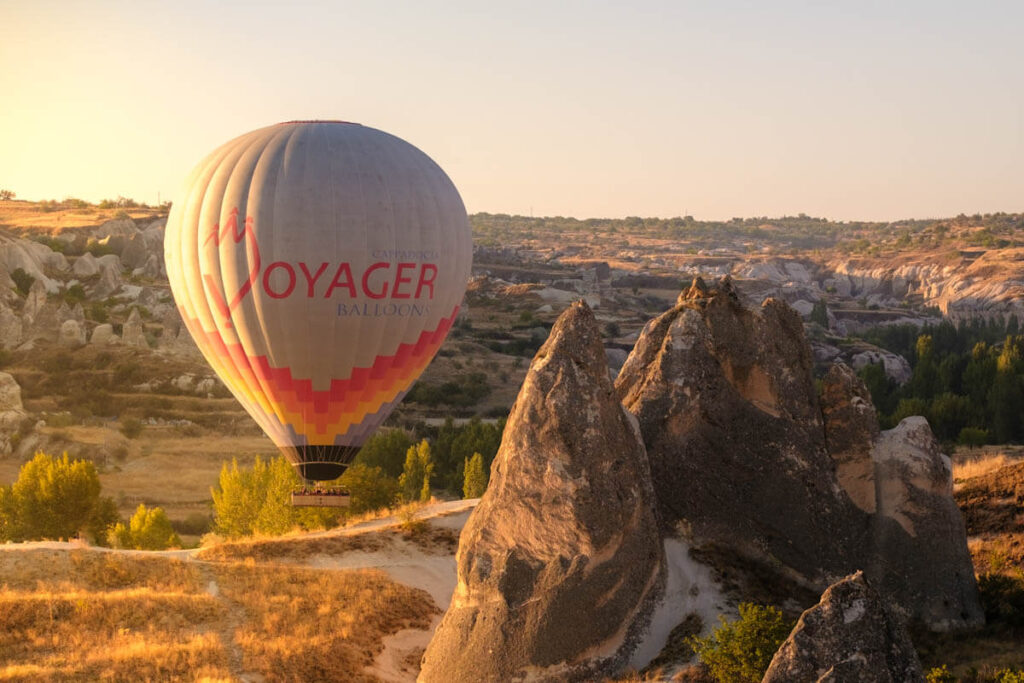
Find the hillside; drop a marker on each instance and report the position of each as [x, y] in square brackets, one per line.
[356, 603]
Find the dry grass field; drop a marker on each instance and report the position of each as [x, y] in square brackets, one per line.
[21, 215]
[86, 615]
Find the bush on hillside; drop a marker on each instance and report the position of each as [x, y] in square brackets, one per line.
[740, 651]
[22, 280]
[148, 529]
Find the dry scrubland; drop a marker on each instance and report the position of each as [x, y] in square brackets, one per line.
[86, 615]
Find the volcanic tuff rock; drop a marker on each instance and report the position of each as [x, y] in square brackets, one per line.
[72, 333]
[849, 635]
[779, 493]
[132, 333]
[560, 563]
[851, 427]
[918, 534]
[729, 412]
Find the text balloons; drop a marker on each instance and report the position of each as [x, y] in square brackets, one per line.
[318, 266]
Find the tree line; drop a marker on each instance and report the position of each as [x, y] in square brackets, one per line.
[967, 379]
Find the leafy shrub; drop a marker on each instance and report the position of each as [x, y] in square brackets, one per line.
[740, 651]
[131, 427]
[22, 280]
[148, 529]
[941, 674]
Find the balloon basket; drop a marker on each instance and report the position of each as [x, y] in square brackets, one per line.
[320, 498]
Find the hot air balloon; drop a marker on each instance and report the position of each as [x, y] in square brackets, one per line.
[319, 266]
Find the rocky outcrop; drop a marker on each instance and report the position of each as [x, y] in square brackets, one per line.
[103, 334]
[10, 328]
[135, 253]
[849, 635]
[918, 533]
[85, 266]
[729, 413]
[780, 493]
[851, 428]
[72, 333]
[560, 562]
[10, 394]
[897, 368]
[110, 277]
[12, 412]
[132, 333]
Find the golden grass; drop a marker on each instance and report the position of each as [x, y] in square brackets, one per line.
[302, 624]
[86, 615]
[293, 548]
[975, 466]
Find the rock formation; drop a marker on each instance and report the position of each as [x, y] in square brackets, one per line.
[918, 533]
[780, 494]
[134, 254]
[851, 428]
[132, 333]
[10, 328]
[103, 334]
[12, 411]
[849, 635]
[85, 265]
[560, 562]
[72, 333]
[729, 413]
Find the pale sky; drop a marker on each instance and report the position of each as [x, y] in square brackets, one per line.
[849, 110]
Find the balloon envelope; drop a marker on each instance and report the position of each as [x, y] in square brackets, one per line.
[318, 266]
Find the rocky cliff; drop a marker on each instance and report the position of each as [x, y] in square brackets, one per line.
[559, 565]
[781, 493]
[728, 410]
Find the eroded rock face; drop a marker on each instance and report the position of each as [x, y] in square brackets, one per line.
[851, 428]
[918, 533]
[729, 413]
[10, 394]
[849, 635]
[781, 493]
[132, 333]
[560, 562]
[72, 333]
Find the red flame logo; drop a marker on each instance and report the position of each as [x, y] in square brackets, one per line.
[217, 235]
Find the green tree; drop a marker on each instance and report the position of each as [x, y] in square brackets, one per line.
[386, 449]
[52, 498]
[924, 383]
[476, 478]
[257, 500]
[740, 651]
[972, 437]
[370, 488]
[419, 467]
[148, 529]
